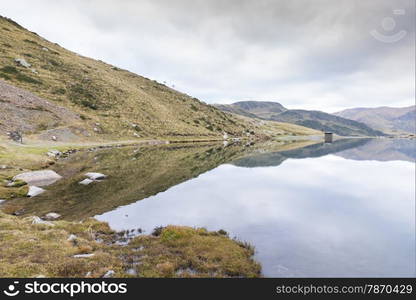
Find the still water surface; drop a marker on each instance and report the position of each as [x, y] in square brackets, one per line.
[322, 211]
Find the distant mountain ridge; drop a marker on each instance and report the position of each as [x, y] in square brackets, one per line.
[391, 120]
[313, 119]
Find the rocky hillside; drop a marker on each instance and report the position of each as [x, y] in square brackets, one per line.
[312, 119]
[388, 119]
[25, 112]
[106, 102]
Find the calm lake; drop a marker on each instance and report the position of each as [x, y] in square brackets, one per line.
[321, 210]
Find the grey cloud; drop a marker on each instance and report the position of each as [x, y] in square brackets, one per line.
[315, 54]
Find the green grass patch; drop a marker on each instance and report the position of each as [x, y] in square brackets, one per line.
[31, 42]
[59, 91]
[5, 76]
[28, 79]
[9, 70]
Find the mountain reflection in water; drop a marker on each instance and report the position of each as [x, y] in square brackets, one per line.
[316, 214]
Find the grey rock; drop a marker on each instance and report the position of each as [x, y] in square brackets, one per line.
[37, 220]
[131, 271]
[52, 216]
[86, 181]
[22, 62]
[83, 255]
[110, 273]
[34, 191]
[95, 176]
[39, 178]
[54, 153]
[72, 237]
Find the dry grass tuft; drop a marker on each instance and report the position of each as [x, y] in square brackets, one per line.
[30, 250]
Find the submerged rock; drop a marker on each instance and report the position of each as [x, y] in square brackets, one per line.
[38, 178]
[95, 176]
[34, 191]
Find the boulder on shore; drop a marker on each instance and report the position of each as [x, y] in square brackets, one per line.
[52, 216]
[54, 153]
[95, 176]
[37, 220]
[38, 178]
[86, 181]
[34, 191]
[88, 255]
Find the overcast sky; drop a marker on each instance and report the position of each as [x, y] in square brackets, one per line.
[313, 54]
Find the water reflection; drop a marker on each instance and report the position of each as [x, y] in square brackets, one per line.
[314, 150]
[383, 150]
[324, 216]
[133, 174]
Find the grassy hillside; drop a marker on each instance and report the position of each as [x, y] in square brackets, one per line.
[312, 119]
[389, 119]
[112, 103]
